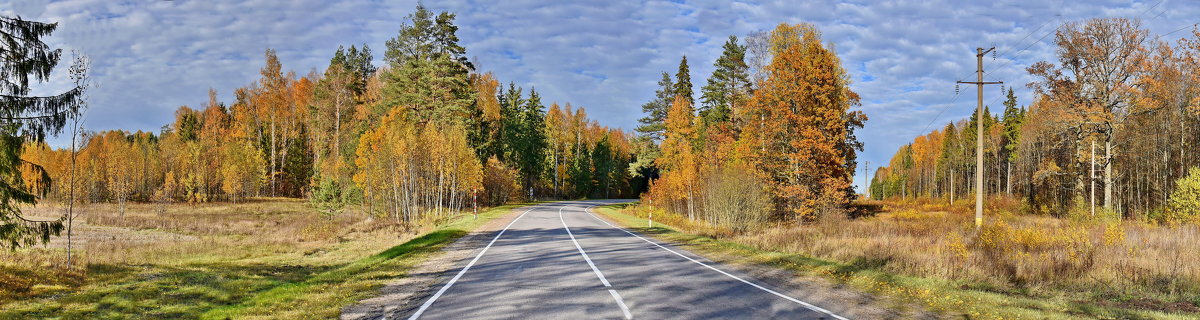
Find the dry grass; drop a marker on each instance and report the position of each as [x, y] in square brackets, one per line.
[192, 259]
[1112, 264]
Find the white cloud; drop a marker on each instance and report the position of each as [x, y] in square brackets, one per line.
[904, 55]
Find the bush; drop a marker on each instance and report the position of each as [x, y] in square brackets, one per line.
[328, 197]
[1184, 204]
[1032, 255]
[735, 199]
[1081, 210]
[499, 183]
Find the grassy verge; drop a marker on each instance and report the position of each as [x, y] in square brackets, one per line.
[238, 276]
[952, 298]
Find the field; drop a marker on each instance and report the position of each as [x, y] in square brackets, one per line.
[265, 258]
[1018, 266]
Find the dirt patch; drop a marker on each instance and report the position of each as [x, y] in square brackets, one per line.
[1151, 304]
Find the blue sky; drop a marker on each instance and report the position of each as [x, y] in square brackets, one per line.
[150, 57]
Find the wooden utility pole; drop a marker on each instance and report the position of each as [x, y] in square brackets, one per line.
[1093, 179]
[979, 53]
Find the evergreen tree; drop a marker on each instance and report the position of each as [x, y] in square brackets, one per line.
[27, 121]
[357, 63]
[728, 86]
[1013, 117]
[602, 159]
[683, 82]
[531, 143]
[429, 74]
[652, 126]
[511, 126]
[581, 172]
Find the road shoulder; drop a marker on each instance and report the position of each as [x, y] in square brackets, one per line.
[838, 298]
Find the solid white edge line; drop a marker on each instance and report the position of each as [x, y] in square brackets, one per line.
[798, 301]
[617, 297]
[435, 296]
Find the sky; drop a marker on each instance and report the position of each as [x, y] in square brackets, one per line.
[904, 56]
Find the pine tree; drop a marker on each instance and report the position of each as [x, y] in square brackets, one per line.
[728, 86]
[28, 120]
[652, 126]
[429, 72]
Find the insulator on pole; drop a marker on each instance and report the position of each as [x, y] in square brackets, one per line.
[955, 89]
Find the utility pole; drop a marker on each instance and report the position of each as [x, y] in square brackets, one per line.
[1093, 178]
[979, 53]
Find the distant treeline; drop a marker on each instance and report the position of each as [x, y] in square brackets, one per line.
[414, 138]
[1119, 100]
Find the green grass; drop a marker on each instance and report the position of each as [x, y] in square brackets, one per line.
[244, 282]
[953, 298]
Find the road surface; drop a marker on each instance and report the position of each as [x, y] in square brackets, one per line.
[561, 261]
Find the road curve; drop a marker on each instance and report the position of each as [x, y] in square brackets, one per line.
[560, 261]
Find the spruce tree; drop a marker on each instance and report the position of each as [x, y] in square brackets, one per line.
[683, 82]
[27, 121]
[532, 142]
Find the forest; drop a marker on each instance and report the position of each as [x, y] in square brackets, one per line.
[772, 139]
[415, 140]
[1111, 131]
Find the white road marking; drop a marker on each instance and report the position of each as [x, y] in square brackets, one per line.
[464, 270]
[621, 303]
[616, 296]
[802, 303]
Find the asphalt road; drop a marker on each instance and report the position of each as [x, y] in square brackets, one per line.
[560, 261]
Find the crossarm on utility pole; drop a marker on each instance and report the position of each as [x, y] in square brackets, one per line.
[979, 135]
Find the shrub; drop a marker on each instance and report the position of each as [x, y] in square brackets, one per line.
[499, 183]
[1081, 210]
[1184, 204]
[735, 199]
[1030, 255]
[328, 197]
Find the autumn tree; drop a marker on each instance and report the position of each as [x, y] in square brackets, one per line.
[119, 156]
[796, 127]
[1095, 81]
[334, 98]
[679, 163]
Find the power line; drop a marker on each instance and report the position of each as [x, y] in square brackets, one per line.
[1013, 57]
[939, 115]
[1180, 29]
[1151, 8]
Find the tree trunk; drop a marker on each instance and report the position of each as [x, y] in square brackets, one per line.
[1108, 166]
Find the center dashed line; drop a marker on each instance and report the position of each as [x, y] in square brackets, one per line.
[616, 296]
